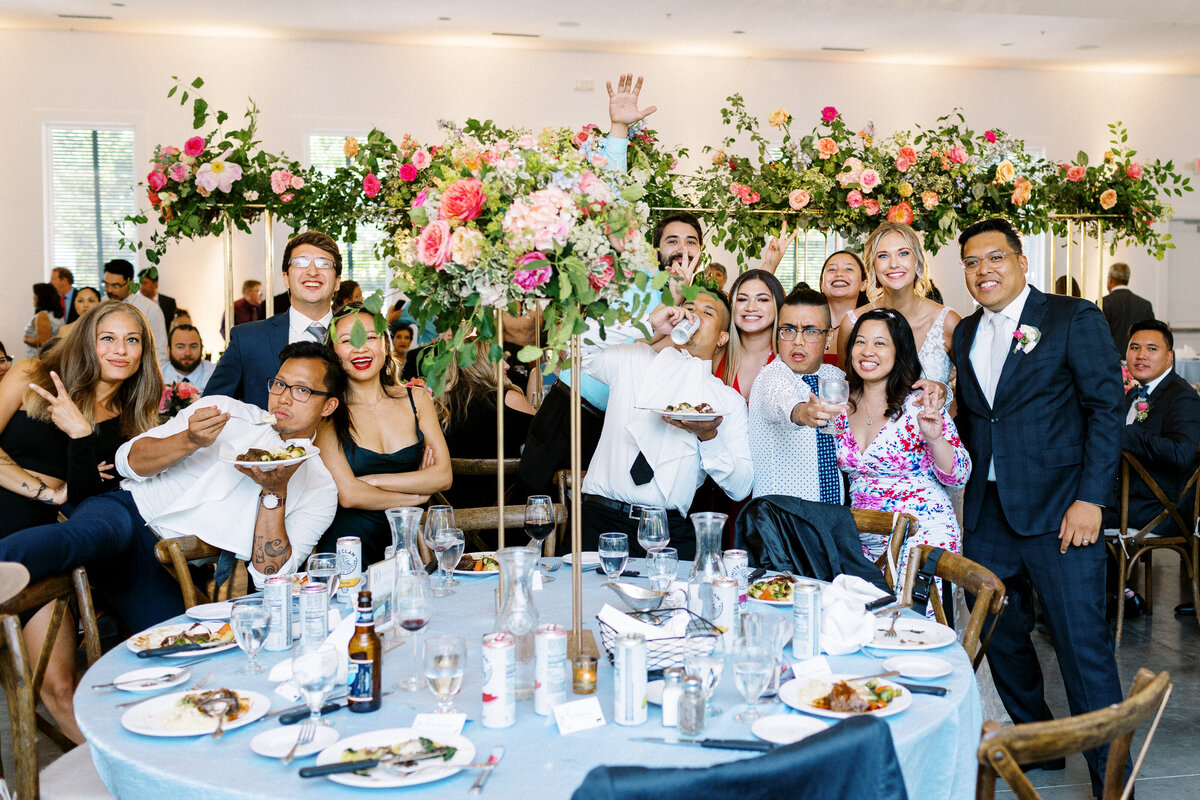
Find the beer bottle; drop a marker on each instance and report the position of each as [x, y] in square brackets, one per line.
[365, 674]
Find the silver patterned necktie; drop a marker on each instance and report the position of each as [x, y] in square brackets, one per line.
[317, 331]
[999, 354]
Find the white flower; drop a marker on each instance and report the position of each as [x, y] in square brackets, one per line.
[1027, 338]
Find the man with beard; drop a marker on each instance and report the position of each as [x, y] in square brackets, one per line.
[186, 354]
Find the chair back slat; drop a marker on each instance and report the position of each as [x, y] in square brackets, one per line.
[174, 554]
[22, 704]
[885, 523]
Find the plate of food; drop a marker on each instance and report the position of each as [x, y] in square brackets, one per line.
[834, 696]
[205, 633]
[687, 412]
[912, 633]
[478, 565]
[180, 714]
[293, 451]
[396, 742]
[773, 591]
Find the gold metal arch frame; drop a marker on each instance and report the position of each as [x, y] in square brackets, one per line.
[1083, 248]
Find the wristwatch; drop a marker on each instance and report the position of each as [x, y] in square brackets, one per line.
[270, 500]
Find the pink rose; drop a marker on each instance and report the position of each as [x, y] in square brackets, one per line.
[194, 146]
[462, 200]
[1133, 170]
[156, 180]
[1076, 173]
[871, 206]
[957, 154]
[906, 158]
[527, 142]
[408, 173]
[419, 200]
[178, 172]
[599, 280]
[287, 197]
[989, 136]
[169, 150]
[297, 182]
[1108, 199]
[599, 161]
[433, 245]
[421, 158]
[826, 147]
[530, 257]
[530, 279]
[580, 138]
[854, 198]
[829, 113]
[501, 146]
[281, 179]
[868, 179]
[371, 184]
[903, 164]
[753, 197]
[798, 199]
[597, 190]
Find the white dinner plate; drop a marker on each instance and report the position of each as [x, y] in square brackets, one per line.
[654, 690]
[921, 667]
[912, 634]
[211, 611]
[795, 694]
[163, 716]
[277, 742]
[143, 680]
[385, 779]
[229, 456]
[588, 558]
[483, 573]
[786, 728]
[690, 416]
[152, 638]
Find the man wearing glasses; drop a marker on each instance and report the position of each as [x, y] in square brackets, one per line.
[118, 274]
[312, 267]
[180, 481]
[790, 456]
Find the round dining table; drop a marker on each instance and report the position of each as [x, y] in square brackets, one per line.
[935, 738]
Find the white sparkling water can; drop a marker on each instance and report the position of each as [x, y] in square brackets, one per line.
[499, 680]
[350, 571]
[314, 612]
[737, 564]
[806, 620]
[277, 597]
[629, 679]
[549, 667]
[725, 606]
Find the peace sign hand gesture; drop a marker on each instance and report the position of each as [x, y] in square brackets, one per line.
[63, 411]
[623, 105]
[775, 249]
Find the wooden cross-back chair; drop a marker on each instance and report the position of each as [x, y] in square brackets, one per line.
[1003, 749]
[174, 554]
[485, 519]
[480, 467]
[892, 525]
[989, 591]
[1129, 547]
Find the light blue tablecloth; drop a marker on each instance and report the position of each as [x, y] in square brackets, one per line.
[935, 739]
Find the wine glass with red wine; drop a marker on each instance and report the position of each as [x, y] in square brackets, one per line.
[412, 608]
[539, 524]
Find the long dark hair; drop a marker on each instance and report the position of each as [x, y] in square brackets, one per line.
[862, 272]
[905, 372]
[45, 298]
[72, 314]
[389, 374]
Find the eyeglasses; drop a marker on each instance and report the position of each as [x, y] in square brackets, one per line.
[302, 262]
[788, 333]
[115, 285]
[995, 258]
[299, 393]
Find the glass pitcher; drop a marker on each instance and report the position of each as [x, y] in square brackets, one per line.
[708, 565]
[518, 616]
[406, 529]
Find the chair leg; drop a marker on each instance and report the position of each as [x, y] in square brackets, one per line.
[1148, 579]
[1122, 571]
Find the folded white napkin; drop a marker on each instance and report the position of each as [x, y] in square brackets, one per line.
[846, 625]
[622, 623]
[342, 630]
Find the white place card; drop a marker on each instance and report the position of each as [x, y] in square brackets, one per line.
[578, 715]
[537, 583]
[810, 667]
[434, 726]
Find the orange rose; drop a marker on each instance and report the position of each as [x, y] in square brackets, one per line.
[826, 147]
[1022, 191]
[902, 213]
[929, 200]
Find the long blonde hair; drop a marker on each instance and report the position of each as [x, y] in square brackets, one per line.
[74, 360]
[923, 282]
[464, 384]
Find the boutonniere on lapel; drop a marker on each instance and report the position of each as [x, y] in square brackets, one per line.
[1027, 338]
[1143, 410]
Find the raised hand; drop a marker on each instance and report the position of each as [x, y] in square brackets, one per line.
[63, 411]
[623, 108]
[205, 425]
[776, 248]
[682, 273]
[930, 422]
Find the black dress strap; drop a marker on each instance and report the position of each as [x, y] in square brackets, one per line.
[416, 416]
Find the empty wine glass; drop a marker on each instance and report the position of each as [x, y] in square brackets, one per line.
[436, 518]
[539, 524]
[448, 543]
[771, 631]
[249, 619]
[753, 662]
[614, 552]
[315, 670]
[707, 664]
[662, 567]
[445, 663]
[323, 569]
[653, 534]
[413, 604]
[833, 392]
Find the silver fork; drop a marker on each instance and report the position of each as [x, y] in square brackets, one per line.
[197, 685]
[307, 731]
[890, 633]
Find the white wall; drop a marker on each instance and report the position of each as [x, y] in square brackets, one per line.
[303, 86]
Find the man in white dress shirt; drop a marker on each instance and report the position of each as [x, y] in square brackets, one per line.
[646, 459]
[179, 482]
[117, 276]
[187, 363]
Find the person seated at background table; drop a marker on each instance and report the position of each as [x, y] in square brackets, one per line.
[179, 482]
[182, 317]
[388, 450]
[791, 457]
[643, 458]
[402, 338]
[47, 319]
[95, 388]
[186, 353]
[900, 454]
[251, 306]
[85, 298]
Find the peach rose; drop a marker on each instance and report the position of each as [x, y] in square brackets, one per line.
[465, 245]
[462, 200]
[929, 200]
[798, 199]
[1108, 199]
[1076, 173]
[1022, 191]
[1005, 171]
[433, 245]
[957, 154]
[905, 189]
[854, 198]
[350, 148]
[778, 117]
[871, 206]
[826, 147]
[719, 157]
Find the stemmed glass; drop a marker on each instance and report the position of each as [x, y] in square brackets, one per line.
[614, 552]
[707, 665]
[662, 566]
[771, 631]
[445, 663]
[653, 534]
[315, 670]
[436, 518]
[539, 524]
[448, 543]
[833, 392]
[753, 662]
[249, 619]
[323, 568]
[413, 607]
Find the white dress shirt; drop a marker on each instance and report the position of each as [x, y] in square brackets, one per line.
[205, 497]
[298, 325]
[154, 317]
[981, 348]
[198, 377]
[784, 453]
[638, 379]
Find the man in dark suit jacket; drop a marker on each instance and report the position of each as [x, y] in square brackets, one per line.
[1122, 307]
[312, 267]
[1039, 407]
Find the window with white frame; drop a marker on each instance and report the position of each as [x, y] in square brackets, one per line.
[360, 260]
[91, 177]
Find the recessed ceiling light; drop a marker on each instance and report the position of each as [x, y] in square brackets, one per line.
[1006, 44]
[739, 31]
[1089, 47]
[518, 35]
[568, 24]
[119, 5]
[443, 19]
[845, 49]
[83, 16]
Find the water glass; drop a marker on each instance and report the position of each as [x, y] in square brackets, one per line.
[653, 534]
[753, 663]
[448, 543]
[614, 552]
[315, 671]
[249, 619]
[771, 631]
[445, 663]
[662, 567]
[833, 392]
[323, 568]
[707, 665]
[413, 607]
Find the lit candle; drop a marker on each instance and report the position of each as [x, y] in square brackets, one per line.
[583, 674]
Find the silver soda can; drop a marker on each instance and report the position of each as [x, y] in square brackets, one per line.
[725, 592]
[499, 680]
[549, 667]
[629, 678]
[349, 560]
[806, 620]
[737, 564]
[277, 597]
[314, 613]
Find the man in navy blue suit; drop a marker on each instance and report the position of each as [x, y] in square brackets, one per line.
[312, 268]
[1040, 409]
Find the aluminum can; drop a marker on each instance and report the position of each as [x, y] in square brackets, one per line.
[350, 571]
[277, 597]
[725, 591]
[499, 680]
[549, 667]
[806, 620]
[737, 564]
[314, 613]
[629, 677]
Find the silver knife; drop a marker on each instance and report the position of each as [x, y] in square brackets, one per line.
[486, 772]
[719, 744]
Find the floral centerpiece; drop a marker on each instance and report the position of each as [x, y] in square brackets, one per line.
[650, 164]
[176, 397]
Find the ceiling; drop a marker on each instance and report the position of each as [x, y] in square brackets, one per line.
[1152, 36]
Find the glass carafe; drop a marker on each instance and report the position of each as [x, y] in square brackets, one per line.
[518, 616]
[710, 526]
[406, 530]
